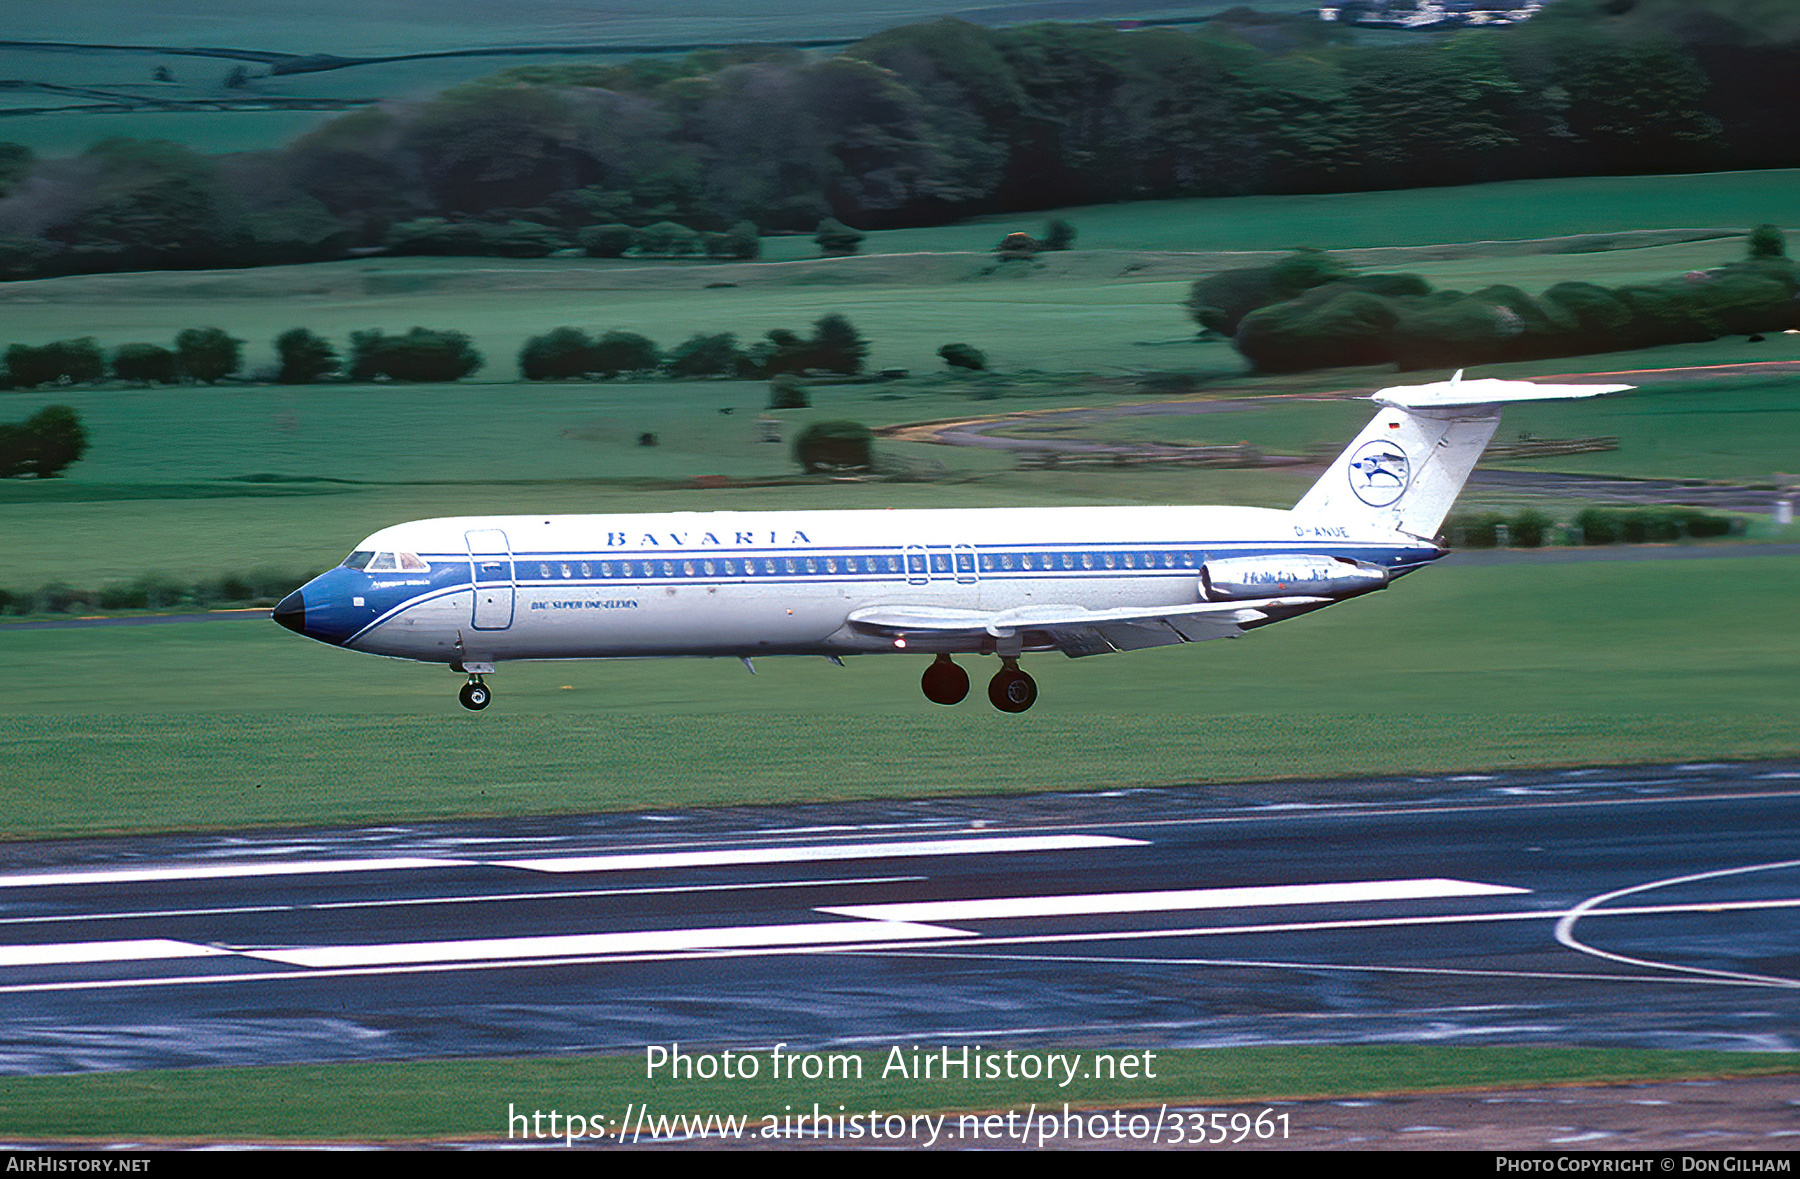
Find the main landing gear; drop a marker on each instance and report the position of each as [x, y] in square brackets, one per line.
[944, 682]
[1011, 690]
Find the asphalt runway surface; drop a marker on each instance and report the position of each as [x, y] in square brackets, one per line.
[1649, 906]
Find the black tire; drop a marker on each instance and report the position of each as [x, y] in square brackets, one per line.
[1012, 690]
[944, 683]
[475, 697]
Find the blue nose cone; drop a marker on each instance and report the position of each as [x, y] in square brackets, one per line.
[328, 608]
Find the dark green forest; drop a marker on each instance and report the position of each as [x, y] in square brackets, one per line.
[934, 122]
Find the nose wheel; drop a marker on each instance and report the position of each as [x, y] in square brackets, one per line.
[1011, 690]
[944, 682]
[475, 695]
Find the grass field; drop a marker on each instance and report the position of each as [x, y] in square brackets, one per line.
[470, 1100]
[243, 724]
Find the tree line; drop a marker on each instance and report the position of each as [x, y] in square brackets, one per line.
[1309, 310]
[208, 355]
[929, 123]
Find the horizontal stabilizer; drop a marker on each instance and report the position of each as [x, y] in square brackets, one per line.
[1456, 393]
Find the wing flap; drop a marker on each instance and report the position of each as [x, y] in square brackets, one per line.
[1077, 631]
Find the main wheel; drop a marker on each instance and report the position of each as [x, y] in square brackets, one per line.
[1011, 690]
[475, 696]
[944, 682]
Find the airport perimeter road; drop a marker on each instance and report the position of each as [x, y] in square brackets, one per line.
[1655, 907]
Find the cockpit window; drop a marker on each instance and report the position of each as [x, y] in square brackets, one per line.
[389, 563]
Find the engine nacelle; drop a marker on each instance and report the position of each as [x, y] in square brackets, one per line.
[1235, 579]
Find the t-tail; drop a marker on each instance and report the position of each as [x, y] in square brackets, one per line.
[1405, 470]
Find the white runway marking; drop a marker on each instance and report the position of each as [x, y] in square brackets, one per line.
[1175, 900]
[652, 941]
[469, 899]
[1565, 928]
[222, 871]
[805, 854]
[72, 953]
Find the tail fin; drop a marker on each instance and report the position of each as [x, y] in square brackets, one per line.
[1405, 470]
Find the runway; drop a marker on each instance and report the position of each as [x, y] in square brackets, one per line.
[1646, 906]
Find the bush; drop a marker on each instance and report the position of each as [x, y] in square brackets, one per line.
[557, 355]
[305, 357]
[65, 362]
[1767, 241]
[1328, 327]
[740, 243]
[1594, 526]
[837, 240]
[786, 392]
[779, 351]
[1219, 302]
[706, 356]
[43, 445]
[625, 352]
[145, 363]
[1058, 235]
[963, 356]
[606, 241]
[437, 237]
[419, 355]
[835, 446]
[1530, 530]
[1474, 530]
[836, 346]
[208, 354]
[666, 239]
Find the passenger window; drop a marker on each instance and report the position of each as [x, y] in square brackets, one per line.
[1087, 560]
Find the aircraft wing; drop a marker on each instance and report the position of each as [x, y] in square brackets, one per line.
[1076, 631]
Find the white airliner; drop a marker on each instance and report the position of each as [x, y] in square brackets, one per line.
[474, 591]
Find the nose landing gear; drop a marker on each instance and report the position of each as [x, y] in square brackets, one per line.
[1011, 690]
[475, 695]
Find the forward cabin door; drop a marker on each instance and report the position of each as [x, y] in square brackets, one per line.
[491, 562]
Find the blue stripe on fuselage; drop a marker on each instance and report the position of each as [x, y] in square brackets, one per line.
[386, 595]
